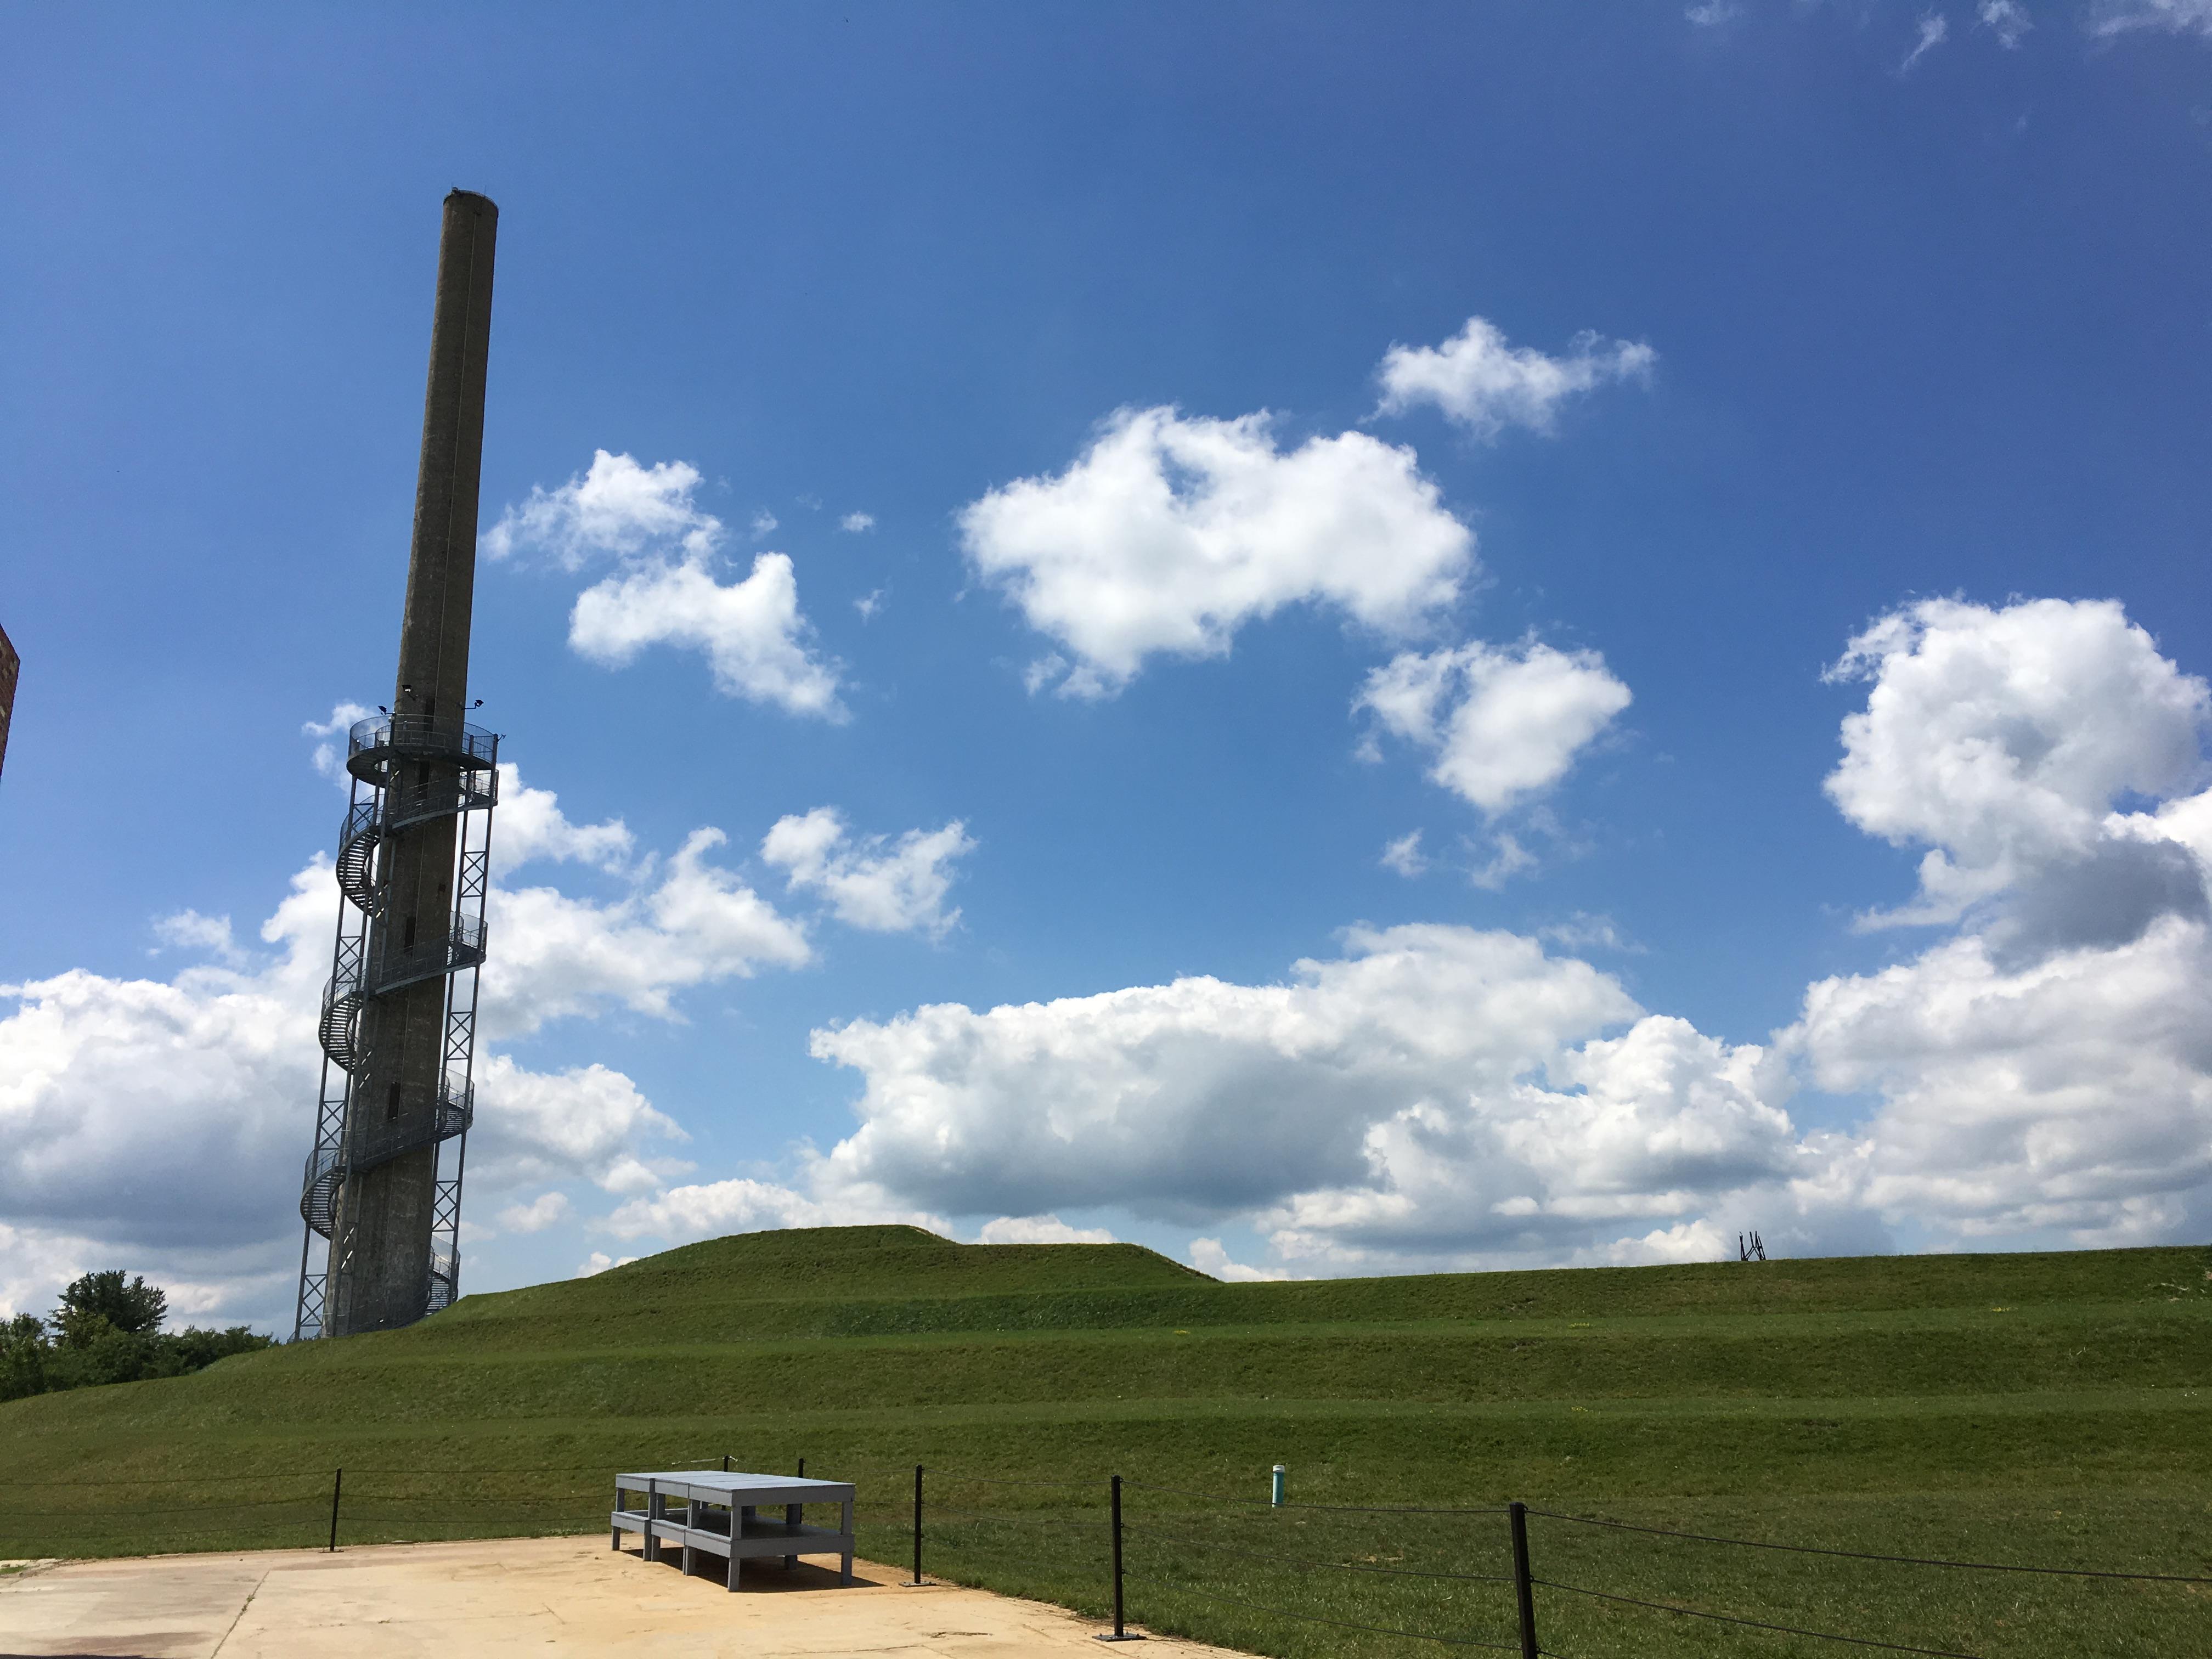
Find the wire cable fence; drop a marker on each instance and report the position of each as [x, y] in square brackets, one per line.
[1257, 1557]
[1270, 1576]
[155, 1514]
[1750, 1624]
[1340, 1508]
[1190, 1541]
[1863, 1555]
[1336, 1624]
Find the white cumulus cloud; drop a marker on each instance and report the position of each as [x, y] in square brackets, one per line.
[750, 631]
[1485, 385]
[611, 510]
[685, 922]
[329, 749]
[710, 1210]
[1040, 1229]
[666, 589]
[2002, 739]
[1436, 1092]
[1505, 722]
[127, 1105]
[873, 882]
[2071, 1094]
[532, 826]
[1211, 1257]
[589, 1122]
[535, 1217]
[1661, 1123]
[615, 508]
[856, 523]
[1171, 532]
[1701, 1240]
[188, 930]
[2045, 1068]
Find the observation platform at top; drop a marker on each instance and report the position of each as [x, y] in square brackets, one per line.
[714, 1511]
[374, 745]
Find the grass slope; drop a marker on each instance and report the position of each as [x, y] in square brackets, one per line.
[2045, 1409]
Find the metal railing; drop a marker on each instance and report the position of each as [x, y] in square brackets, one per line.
[440, 797]
[445, 1275]
[372, 743]
[394, 963]
[362, 973]
[329, 1163]
[359, 877]
[338, 1028]
[374, 1142]
[371, 822]
[319, 1189]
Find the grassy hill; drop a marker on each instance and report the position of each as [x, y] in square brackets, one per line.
[2046, 1408]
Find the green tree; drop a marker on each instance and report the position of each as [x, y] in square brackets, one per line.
[108, 1330]
[98, 1352]
[192, 1347]
[22, 1357]
[98, 1303]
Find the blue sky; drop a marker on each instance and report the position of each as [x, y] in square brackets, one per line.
[1723, 337]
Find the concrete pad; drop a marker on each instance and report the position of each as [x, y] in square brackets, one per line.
[511, 1597]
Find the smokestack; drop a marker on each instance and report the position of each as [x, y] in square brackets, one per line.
[399, 1020]
[441, 562]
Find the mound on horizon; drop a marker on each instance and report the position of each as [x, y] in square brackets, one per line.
[1975, 1394]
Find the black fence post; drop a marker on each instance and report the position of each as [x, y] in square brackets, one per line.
[1120, 1632]
[337, 1481]
[917, 1524]
[1524, 1589]
[802, 1468]
[725, 1463]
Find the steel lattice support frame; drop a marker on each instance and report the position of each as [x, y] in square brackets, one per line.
[472, 889]
[368, 962]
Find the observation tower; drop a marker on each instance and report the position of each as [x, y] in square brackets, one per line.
[382, 1194]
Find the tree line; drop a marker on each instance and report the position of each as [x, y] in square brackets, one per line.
[108, 1329]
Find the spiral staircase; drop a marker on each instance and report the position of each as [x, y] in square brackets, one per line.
[406, 771]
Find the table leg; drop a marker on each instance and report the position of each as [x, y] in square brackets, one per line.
[791, 1513]
[614, 1531]
[845, 1526]
[651, 1513]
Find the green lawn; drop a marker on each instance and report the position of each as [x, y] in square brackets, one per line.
[2051, 1409]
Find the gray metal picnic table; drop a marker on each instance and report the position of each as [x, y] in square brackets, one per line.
[714, 1511]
